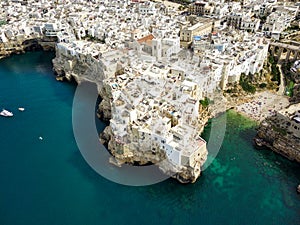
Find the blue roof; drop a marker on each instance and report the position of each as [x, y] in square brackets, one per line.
[197, 38]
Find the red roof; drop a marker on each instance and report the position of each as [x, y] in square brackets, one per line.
[147, 38]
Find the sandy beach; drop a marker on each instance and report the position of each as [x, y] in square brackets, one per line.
[263, 105]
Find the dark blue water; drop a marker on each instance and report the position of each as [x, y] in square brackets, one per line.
[47, 181]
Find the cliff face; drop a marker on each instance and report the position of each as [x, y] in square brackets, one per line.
[136, 153]
[81, 68]
[84, 68]
[277, 133]
[23, 45]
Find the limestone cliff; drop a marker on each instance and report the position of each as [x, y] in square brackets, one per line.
[27, 44]
[135, 154]
[280, 133]
[84, 68]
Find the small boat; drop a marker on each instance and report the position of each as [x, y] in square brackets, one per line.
[6, 113]
[21, 109]
[41, 138]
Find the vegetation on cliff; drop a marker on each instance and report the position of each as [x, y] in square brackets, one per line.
[275, 73]
[205, 102]
[246, 84]
[267, 78]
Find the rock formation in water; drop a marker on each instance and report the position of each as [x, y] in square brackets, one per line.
[281, 132]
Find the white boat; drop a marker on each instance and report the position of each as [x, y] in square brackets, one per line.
[6, 113]
[21, 109]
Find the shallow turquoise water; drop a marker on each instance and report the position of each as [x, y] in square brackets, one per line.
[48, 182]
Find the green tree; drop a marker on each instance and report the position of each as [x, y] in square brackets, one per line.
[205, 102]
[246, 84]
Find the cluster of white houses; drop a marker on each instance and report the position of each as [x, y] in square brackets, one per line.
[157, 110]
[268, 16]
[137, 46]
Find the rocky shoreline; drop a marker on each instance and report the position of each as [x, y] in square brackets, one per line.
[24, 45]
[280, 132]
[268, 110]
[67, 68]
[286, 145]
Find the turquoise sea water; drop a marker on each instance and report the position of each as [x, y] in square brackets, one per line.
[47, 181]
